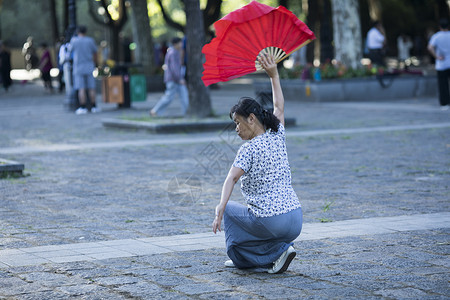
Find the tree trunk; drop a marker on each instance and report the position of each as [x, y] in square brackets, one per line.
[115, 26]
[313, 22]
[66, 17]
[72, 19]
[284, 3]
[199, 98]
[211, 13]
[443, 11]
[375, 10]
[347, 32]
[326, 32]
[115, 43]
[54, 21]
[142, 35]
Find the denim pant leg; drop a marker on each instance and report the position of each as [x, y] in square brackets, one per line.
[171, 90]
[258, 242]
[184, 97]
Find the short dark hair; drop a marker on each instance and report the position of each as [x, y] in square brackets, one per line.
[443, 23]
[176, 40]
[82, 29]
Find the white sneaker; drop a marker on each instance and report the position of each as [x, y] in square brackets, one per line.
[282, 263]
[445, 107]
[81, 111]
[95, 110]
[229, 264]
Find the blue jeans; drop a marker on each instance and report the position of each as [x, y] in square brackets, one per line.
[172, 89]
[258, 242]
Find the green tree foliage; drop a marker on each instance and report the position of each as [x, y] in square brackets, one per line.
[176, 11]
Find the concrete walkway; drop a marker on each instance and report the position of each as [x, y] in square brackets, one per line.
[66, 253]
[98, 216]
[207, 138]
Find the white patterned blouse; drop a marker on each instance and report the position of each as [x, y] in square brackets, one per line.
[266, 183]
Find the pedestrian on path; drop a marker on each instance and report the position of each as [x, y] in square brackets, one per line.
[404, 45]
[84, 62]
[439, 47]
[45, 66]
[65, 58]
[174, 80]
[261, 233]
[376, 41]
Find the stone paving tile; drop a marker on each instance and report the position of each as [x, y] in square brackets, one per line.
[71, 258]
[140, 289]
[80, 290]
[23, 260]
[146, 249]
[16, 288]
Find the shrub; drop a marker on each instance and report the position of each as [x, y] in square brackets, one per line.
[329, 71]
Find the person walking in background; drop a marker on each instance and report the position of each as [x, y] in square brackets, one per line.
[5, 66]
[45, 65]
[174, 80]
[65, 57]
[376, 40]
[61, 83]
[84, 61]
[439, 47]
[404, 45]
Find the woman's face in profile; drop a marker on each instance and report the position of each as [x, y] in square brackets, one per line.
[243, 127]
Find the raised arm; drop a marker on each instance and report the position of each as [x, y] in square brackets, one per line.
[270, 66]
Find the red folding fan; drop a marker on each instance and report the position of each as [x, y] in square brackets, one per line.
[245, 33]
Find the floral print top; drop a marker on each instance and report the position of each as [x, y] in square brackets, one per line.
[266, 183]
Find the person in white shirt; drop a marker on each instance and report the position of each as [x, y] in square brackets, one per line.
[376, 41]
[404, 45]
[439, 47]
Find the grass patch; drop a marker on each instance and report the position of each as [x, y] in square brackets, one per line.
[12, 175]
[327, 206]
[158, 120]
[325, 220]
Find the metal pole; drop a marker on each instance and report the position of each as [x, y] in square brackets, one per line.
[72, 19]
[71, 97]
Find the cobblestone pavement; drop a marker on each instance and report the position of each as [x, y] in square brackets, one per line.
[356, 161]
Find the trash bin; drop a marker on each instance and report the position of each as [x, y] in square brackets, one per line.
[122, 70]
[138, 88]
[112, 89]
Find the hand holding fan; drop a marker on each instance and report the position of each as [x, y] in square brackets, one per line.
[245, 33]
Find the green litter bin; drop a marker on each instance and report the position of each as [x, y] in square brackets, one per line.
[138, 88]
